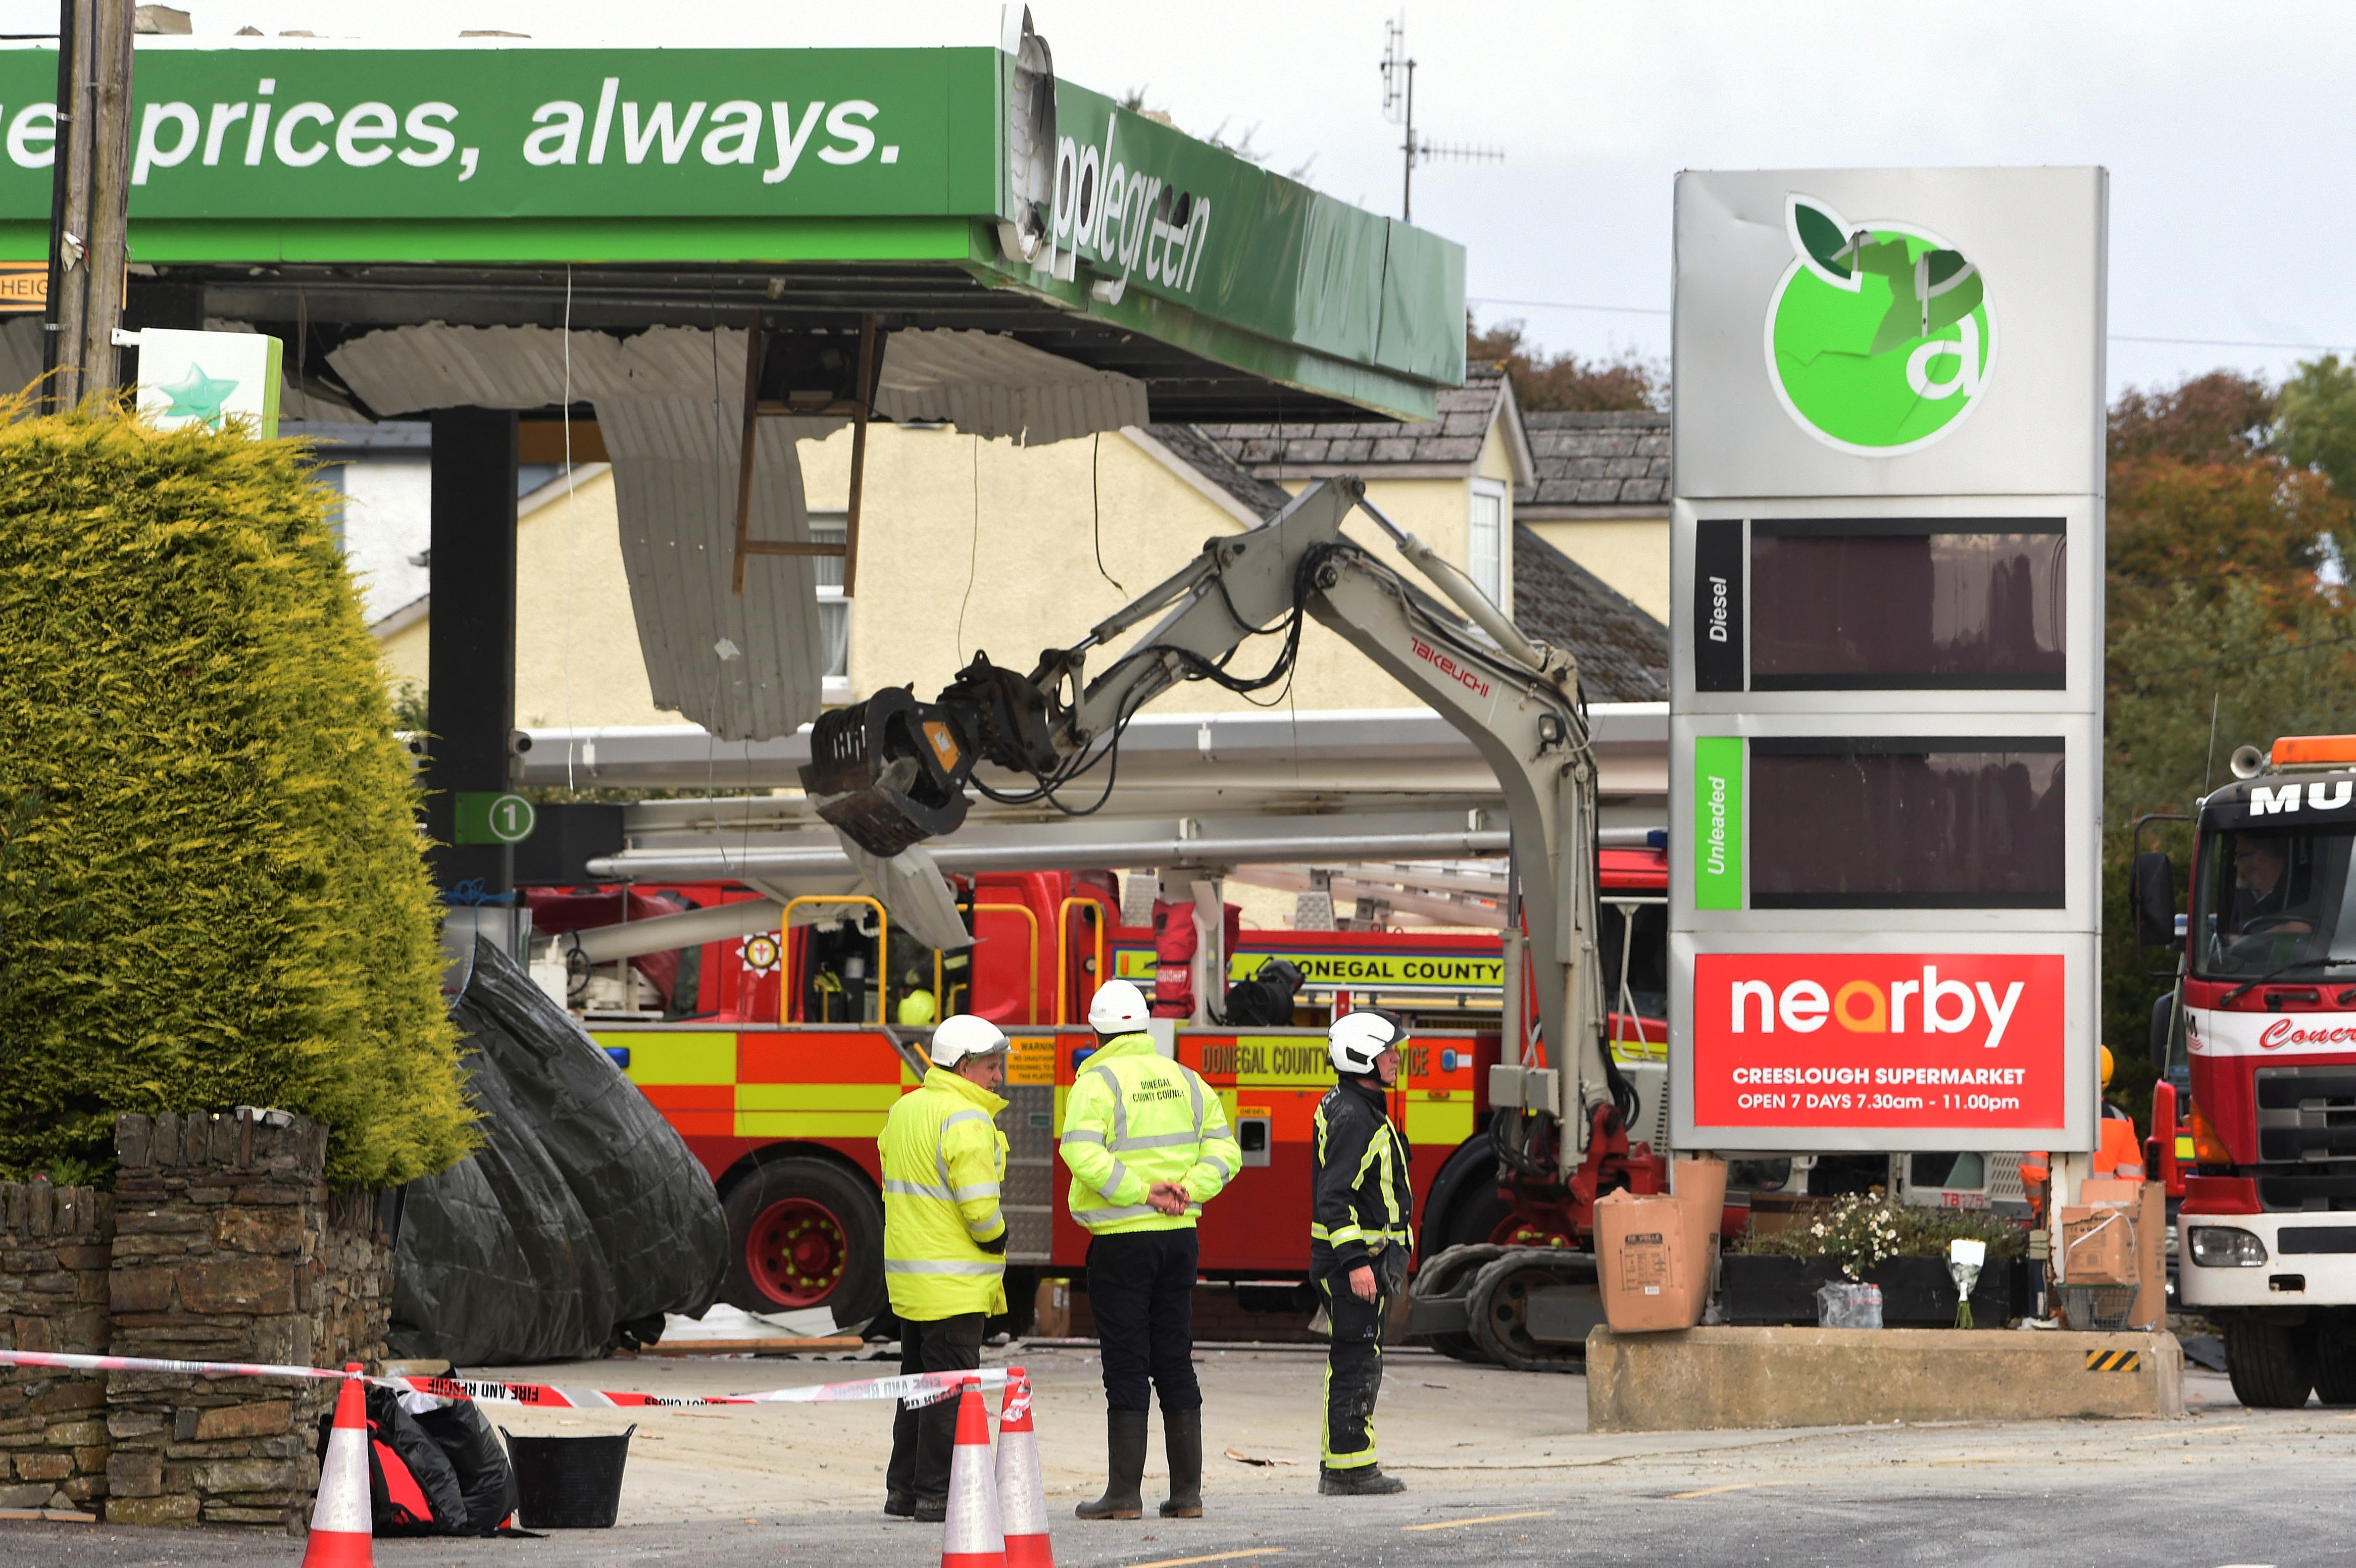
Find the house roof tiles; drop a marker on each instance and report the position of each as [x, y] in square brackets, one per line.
[1597, 459]
[1624, 653]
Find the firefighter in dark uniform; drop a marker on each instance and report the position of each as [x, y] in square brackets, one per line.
[1359, 1237]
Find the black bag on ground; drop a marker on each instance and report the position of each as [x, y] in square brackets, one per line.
[582, 1209]
[412, 1489]
[485, 1481]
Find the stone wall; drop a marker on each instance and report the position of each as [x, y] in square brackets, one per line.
[220, 1242]
[228, 1247]
[55, 1248]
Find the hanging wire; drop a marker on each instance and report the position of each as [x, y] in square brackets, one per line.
[572, 537]
[1095, 508]
[973, 555]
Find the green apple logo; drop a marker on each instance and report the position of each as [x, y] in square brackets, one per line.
[1879, 337]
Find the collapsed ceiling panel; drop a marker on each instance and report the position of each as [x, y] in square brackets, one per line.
[992, 386]
[746, 666]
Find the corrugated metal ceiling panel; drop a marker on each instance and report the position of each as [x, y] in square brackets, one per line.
[993, 386]
[668, 403]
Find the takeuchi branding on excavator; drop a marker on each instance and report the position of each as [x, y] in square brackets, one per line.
[1879, 1039]
[1448, 668]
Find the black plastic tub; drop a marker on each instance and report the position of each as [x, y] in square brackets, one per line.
[1916, 1293]
[568, 1483]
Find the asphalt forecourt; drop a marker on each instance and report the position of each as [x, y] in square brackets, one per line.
[1500, 1468]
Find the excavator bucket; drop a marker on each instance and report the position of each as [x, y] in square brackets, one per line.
[890, 771]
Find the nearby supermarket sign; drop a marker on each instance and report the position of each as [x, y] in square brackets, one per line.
[1879, 1039]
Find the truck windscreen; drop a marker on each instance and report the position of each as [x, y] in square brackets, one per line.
[2275, 900]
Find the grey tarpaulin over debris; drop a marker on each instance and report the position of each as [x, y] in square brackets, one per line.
[581, 1209]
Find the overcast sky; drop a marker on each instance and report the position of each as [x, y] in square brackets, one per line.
[2226, 128]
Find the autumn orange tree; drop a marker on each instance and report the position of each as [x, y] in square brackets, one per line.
[1548, 383]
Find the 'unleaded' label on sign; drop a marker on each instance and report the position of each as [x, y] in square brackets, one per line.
[1717, 822]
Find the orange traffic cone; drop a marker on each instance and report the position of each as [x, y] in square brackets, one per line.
[339, 1519]
[1022, 1489]
[971, 1537]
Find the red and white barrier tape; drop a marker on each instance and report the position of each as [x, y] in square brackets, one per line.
[919, 1389]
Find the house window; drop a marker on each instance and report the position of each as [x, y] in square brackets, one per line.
[833, 609]
[1486, 554]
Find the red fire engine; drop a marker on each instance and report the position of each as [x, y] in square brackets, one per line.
[773, 1056]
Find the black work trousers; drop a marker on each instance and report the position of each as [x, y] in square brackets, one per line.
[922, 1439]
[1141, 1290]
[1353, 1365]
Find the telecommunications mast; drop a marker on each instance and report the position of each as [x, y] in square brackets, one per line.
[1398, 108]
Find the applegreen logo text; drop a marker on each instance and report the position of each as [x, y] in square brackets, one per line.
[1879, 337]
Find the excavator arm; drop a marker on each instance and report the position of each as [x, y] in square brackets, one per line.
[893, 772]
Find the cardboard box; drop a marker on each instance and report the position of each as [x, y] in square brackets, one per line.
[2098, 1245]
[2147, 1204]
[1644, 1263]
[1052, 1309]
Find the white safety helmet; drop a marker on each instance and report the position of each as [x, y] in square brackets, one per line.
[961, 1035]
[1357, 1038]
[1119, 1009]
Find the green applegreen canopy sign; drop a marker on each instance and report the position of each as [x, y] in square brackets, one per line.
[501, 155]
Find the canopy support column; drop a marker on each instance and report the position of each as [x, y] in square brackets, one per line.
[470, 695]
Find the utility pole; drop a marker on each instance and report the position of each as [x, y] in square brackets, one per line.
[1398, 105]
[90, 200]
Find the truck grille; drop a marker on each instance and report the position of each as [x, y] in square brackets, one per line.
[2311, 1193]
[2306, 1113]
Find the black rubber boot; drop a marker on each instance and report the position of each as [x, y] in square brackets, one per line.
[1365, 1481]
[1182, 1438]
[1125, 1465]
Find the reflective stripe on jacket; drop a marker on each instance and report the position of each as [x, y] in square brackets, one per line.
[1135, 1117]
[944, 1159]
[1359, 1193]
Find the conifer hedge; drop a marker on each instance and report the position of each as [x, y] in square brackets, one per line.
[211, 891]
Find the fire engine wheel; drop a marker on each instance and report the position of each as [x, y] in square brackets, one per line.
[1451, 1272]
[2272, 1365]
[803, 1232]
[2335, 1364]
[1499, 1304]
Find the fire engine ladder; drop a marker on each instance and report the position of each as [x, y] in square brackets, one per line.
[859, 408]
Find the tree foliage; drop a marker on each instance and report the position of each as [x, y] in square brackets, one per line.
[2223, 607]
[211, 891]
[2319, 421]
[1564, 382]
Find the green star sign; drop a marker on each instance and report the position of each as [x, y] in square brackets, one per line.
[199, 396]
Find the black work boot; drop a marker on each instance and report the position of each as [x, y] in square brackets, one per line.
[1182, 1438]
[900, 1505]
[1365, 1481]
[1125, 1466]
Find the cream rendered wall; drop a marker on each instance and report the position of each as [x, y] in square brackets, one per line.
[577, 660]
[1631, 554]
[1440, 512]
[403, 654]
[1009, 534]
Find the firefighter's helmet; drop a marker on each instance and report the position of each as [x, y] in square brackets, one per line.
[1357, 1038]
